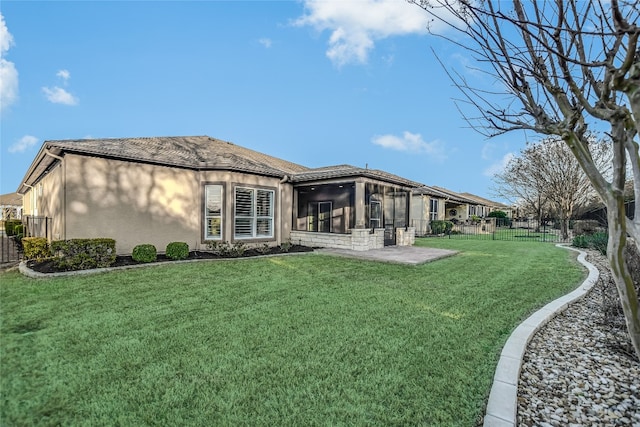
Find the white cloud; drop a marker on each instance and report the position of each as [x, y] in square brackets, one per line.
[487, 150]
[64, 75]
[412, 143]
[499, 166]
[23, 144]
[265, 42]
[355, 26]
[8, 71]
[57, 95]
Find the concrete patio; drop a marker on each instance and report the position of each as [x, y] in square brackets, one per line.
[411, 255]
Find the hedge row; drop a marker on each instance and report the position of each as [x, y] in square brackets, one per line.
[82, 254]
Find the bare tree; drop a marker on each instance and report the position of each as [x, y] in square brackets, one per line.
[547, 174]
[516, 184]
[564, 67]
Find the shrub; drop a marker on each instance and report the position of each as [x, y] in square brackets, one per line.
[218, 248]
[177, 250]
[263, 249]
[82, 254]
[237, 249]
[10, 226]
[225, 249]
[286, 246]
[441, 227]
[144, 253]
[497, 214]
[18, 229]
[597, 241]
[35, 248]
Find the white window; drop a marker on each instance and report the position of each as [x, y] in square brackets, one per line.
[375, 218]
[213, 212]
[433, 209]
[253, 213]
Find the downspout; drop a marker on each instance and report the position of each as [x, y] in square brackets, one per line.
[64, 193]
[280, 196]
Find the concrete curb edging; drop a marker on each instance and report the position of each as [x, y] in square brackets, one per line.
[503, 398]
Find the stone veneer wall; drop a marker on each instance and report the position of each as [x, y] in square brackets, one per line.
[360, 239]
[405, 237]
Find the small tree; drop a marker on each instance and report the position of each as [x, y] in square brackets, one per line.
[547, 172]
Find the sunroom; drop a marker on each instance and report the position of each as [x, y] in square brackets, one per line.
[351, 208]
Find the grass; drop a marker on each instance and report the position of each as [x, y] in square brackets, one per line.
[296, 340]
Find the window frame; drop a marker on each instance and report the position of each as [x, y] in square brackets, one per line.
[433, 213]
[206, 217]
[254, 218]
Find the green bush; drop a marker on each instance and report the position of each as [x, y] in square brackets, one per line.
[18, 229]
[441, 227]
[10, 227]
[177, 250]
[286, 246]
[35, 248]
[144, 253]
[597, 241]
[497, 214]
[83, 254]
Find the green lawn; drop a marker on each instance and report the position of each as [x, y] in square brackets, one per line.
[294, 340]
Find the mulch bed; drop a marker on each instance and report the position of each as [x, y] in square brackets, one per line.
[48, 266]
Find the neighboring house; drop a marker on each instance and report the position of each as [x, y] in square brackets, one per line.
[457, 207]
[198, 189]
[486, 206]
[11, 206]
[427, 204]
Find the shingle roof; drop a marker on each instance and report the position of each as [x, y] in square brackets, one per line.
[199, 153]
[430, 191]
[455, 196]
[11, 199]
[193, 152]
[346, 171]
[484, 201]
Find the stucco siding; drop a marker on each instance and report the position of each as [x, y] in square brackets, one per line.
[136, 203]
[132, 203]
[45, 199]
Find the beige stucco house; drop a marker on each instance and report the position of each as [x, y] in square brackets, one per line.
[198, 189]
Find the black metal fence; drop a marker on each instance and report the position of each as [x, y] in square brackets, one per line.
[32, 226]
[524, 229]
[37, 226]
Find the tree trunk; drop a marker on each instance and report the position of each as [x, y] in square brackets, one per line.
[624, 283]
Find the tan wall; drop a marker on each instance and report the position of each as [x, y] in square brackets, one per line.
[137, 203]
[46, 199]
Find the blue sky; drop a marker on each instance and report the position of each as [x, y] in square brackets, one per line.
[316, 83]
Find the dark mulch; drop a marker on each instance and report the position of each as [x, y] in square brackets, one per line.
[48, 266]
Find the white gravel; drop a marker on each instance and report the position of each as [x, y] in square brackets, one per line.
[579, 369]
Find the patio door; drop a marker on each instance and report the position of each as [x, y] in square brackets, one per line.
[395, 215]
[320, 217]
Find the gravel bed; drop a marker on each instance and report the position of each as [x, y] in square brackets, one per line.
[580, 369]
